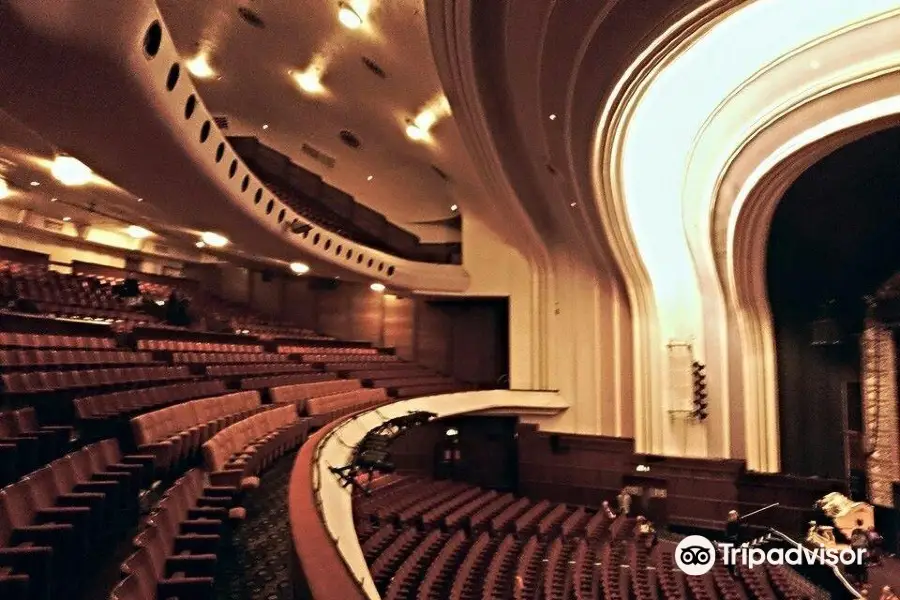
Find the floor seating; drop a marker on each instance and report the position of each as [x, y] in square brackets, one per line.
[249, 369]
[173, 435]
[271, 381]
[300, 393]
[237, 454]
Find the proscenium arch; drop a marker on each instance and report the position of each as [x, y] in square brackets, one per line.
[721, 338]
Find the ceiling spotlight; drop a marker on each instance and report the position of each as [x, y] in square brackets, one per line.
[53, 199]
[377, 287]
[35, 183]
[4, 189]
[140, 199]
[310, 81]
[415, 133]
[348, 17]
[299, 268]
[370, 178]
[454, 207]
[138, 232]
[265, 125]
[213, 239]
[425, 120]
[553, 117]
[200, 244]
[67, 219]
[70, 171]
[573, 204]
[199, 66]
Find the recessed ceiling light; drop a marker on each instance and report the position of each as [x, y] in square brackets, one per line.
[454, 207]
[348, 17]
[377, 287]
[53, 199]
[413, 132]
[370, 178]
[310, 81]
[138, 232]
[140, 199]
[213, 239]
[70, 171]
[425, 120]
[199, 66]
[299, 268]
[67, 219]
[265, 125]
[4, 189]
[200, 244]
[553, 117]
[35, 183]
[574, 204]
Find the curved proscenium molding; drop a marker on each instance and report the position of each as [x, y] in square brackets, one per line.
[336, 449]
[663, 117]
[103, 81]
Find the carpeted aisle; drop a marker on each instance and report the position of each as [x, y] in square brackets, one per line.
[255, 565]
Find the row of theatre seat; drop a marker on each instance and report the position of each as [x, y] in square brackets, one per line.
[427, 539]
[21, 359]
[189, 346]
[40, 340]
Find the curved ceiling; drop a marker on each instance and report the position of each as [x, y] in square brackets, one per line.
[252, 85]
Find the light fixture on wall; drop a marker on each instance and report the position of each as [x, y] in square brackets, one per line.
[377, 287]
[138, 232]
[70, 171]
[299, 268]
[213, 239]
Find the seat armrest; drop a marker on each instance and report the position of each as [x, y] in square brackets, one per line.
[186, 588]
[192, 565]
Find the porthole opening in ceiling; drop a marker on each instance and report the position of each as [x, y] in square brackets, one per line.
[281, 215]
[305, 234]
[370, 263]
[245, 183]
[232, 169]
[172, 79]
[390, 271]
[327, 244]
[349, 253]
[374, 67]
[220, 152]
[338, 250]
[380, 267]
[349, 138]
[251, 17]
[316, 239]
[257, 197]
[359, 258]
[204, 131]
[269, 206]
[189, 106]
[153, 39]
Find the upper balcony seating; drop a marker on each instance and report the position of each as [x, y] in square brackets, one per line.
[228, 358]
[352, 350]
[347, 368]
[189, 346]
[11, 360]
[53, 440]
[38, 382]
[176, 433]
[272, 381]
[325, 356]
[249, 369]
[298, 394]
[323, 409]
[40, 340]
[236, 455]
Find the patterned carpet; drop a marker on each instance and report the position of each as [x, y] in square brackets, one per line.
[256, 565]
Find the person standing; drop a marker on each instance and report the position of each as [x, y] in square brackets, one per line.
[624, 500]
[733, 528]
[859, 541]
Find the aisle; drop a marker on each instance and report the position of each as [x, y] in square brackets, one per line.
[256, 566]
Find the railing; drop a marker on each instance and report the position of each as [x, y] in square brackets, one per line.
[331, 562]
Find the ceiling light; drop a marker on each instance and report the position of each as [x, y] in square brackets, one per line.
[199, 66]
[348, 17]
[200, 244]
[214, 239]
[573, 204]
[140, 199]
[67, 219]
[70, 171]
[53, 199]
[310, 81]
[4, 189]
[370, 178]
[454, 207]
[299, 268]
[377, 287]
[138, 232]
[414, 133]
[35, 183]
[265, 125]
[425, 120]
[553, 117]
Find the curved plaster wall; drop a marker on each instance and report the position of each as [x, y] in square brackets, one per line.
[103, 80]
[721, 98]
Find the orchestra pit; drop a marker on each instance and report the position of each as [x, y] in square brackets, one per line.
[449, 300]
